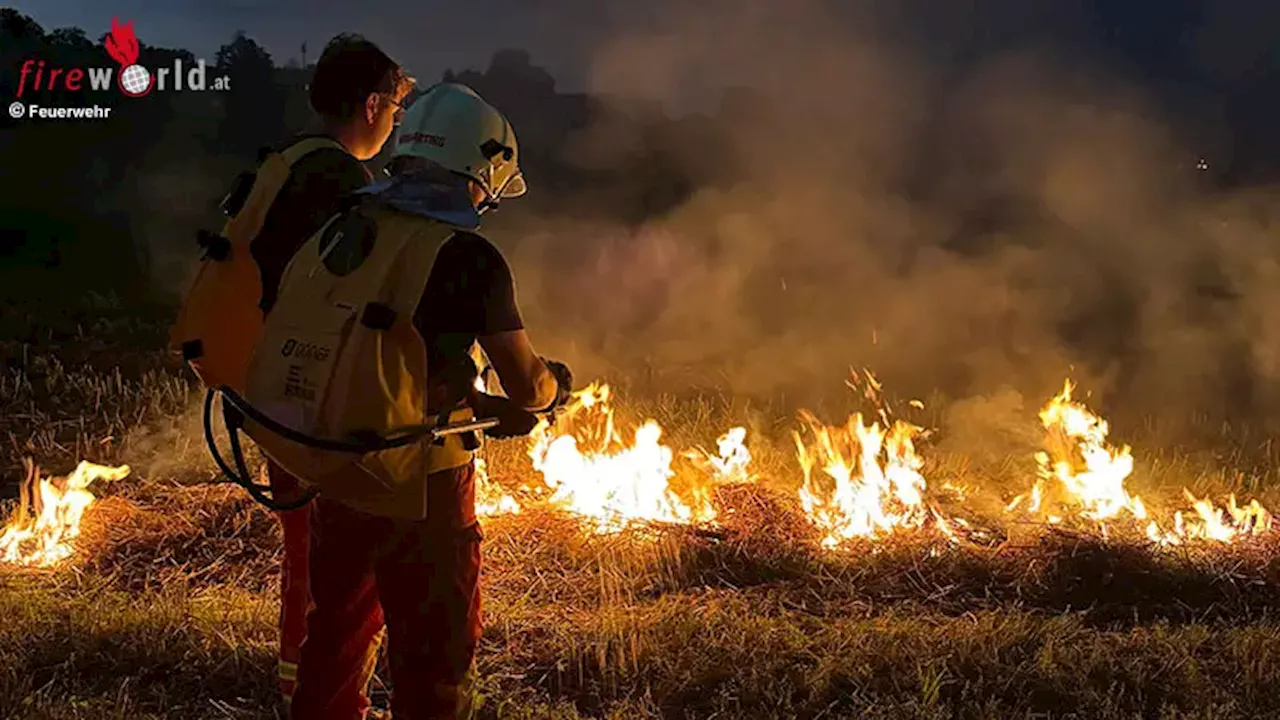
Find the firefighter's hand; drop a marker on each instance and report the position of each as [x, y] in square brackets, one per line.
[564, 382]
[513, 420]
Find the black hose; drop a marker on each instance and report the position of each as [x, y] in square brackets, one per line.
[236, 409]
[209, 439]
[362, 446]
[259, 492]
[262, 494]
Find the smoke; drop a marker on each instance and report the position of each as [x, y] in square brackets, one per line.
[970, 223]
[175, 198]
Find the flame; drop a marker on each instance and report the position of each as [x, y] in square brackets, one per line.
[46, 538]
[121, 43]
[491, 499]
[595, 473]
[1222, 525]
[1089, 470]
[1090, 479]
[863, 479]
[612, 483]
[877, 487]
[732, 462]
[873, 485]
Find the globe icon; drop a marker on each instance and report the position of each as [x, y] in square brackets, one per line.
[135, 80]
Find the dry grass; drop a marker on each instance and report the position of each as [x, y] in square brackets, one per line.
[168, 610]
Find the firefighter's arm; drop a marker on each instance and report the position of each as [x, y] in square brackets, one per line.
[525, 377]
[530, 381]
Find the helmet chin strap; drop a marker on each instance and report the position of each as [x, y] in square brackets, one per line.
[493, 198]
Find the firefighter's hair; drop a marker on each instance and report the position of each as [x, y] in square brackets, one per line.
[350, 69]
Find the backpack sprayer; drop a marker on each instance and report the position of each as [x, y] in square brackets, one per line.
[235, 409]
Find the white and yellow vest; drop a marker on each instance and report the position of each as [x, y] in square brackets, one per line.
[339, 356]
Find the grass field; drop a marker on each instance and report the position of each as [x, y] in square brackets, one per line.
[168, 608]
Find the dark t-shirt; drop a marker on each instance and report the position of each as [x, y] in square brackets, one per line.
[313, 193]
[469, 293]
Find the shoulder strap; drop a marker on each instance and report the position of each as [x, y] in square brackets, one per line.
[270, 178]
[425, 237]
[308, 145]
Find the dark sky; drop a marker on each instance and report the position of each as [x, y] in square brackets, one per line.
[1226, 41]
[427, 36]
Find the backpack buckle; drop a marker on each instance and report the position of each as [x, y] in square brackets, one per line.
[215, 246]
[238, 194]
[377, 316]
[192, 350]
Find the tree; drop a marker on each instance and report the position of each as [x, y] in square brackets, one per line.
[71, 38]
[20, 38]
[68, 202]
[18, 27]
[255, 106]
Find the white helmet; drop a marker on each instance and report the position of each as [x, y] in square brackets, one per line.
[455, 128]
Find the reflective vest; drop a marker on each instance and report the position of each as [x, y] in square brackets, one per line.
[339, 358]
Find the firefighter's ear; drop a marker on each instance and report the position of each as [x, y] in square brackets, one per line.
[372, 104]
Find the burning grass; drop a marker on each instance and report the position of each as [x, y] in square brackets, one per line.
[629, 610]
[687, 623]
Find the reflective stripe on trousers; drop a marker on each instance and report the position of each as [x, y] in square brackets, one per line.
[295, 592]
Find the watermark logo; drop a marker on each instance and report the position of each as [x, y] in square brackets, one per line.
[122, 46]
[130, 78]
[19, 110]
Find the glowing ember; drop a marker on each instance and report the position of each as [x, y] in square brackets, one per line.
[1083, 473]
[41, 532]
[491, 499]
[594, 472]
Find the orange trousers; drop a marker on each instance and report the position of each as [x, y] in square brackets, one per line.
[418, 581]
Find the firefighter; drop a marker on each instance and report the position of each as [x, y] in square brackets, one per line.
[455, 158]
[357, 93]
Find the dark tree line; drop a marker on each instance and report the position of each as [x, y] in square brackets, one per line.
[84, 202]
[70, 204]
[75, 198]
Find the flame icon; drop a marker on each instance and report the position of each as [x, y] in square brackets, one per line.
[121, 43]
[122, 46]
